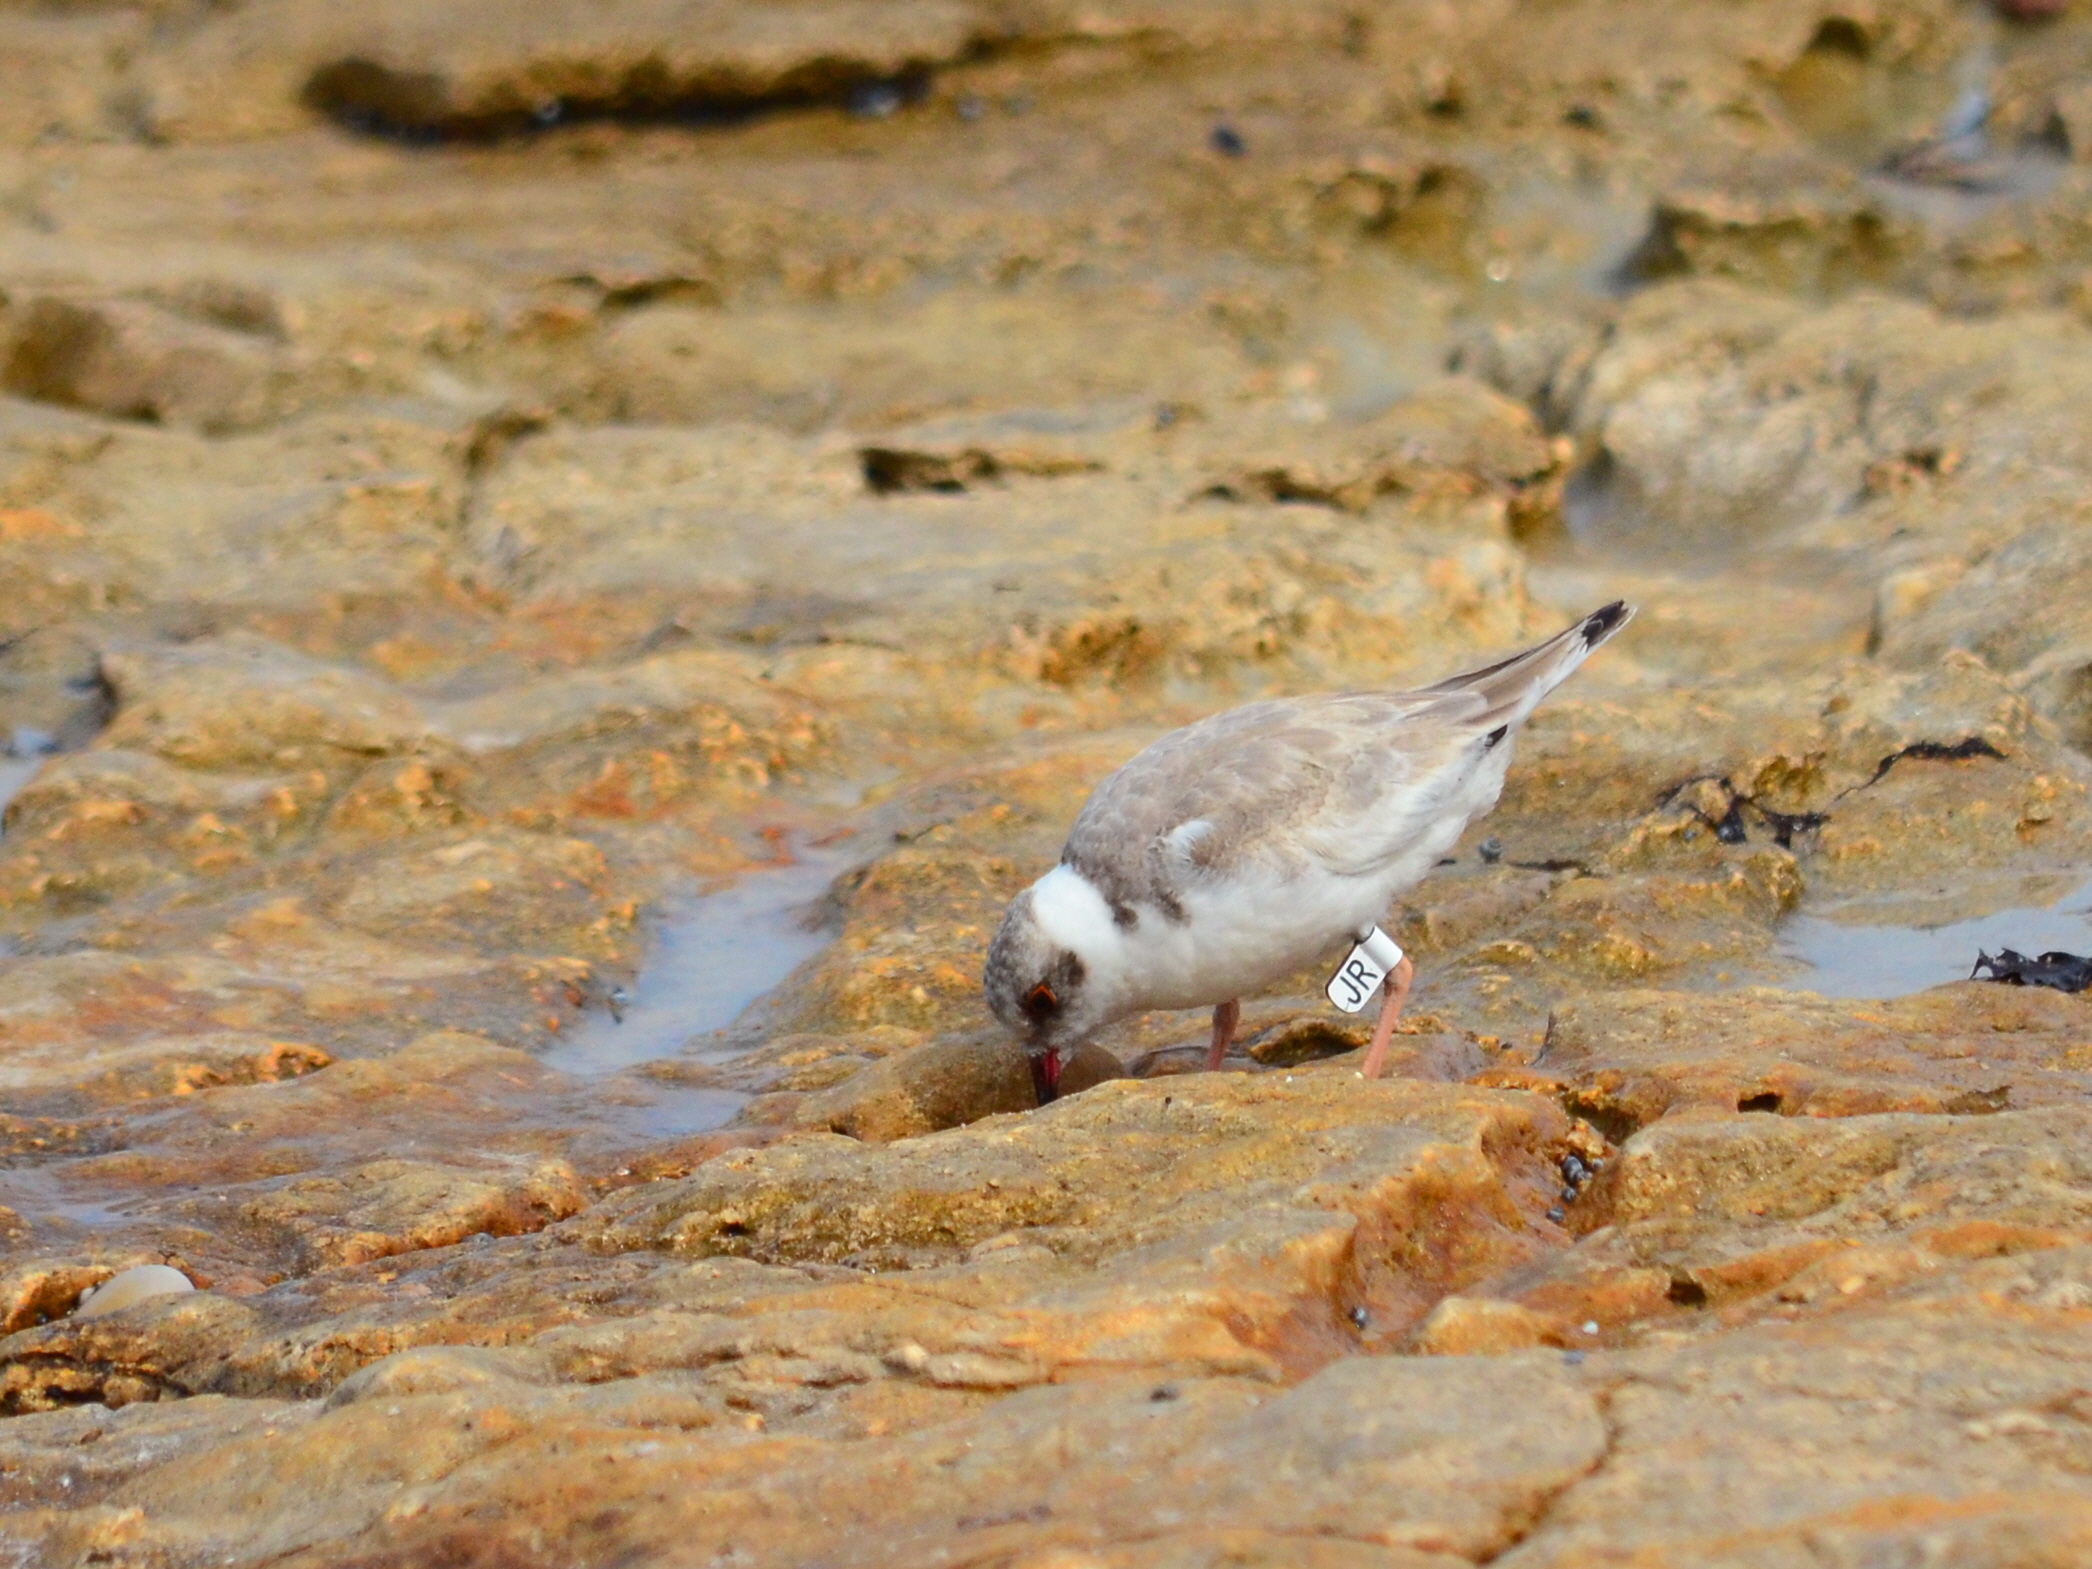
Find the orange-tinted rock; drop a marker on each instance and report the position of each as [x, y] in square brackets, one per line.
[1221, 1218]
[1822, 1453]
[1739, 1218]
[134, 361]
[1483, 1326]
[937, 1086]
[1633, 1057]
[489, 491]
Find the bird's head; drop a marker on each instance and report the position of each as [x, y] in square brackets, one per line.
[1045, 970]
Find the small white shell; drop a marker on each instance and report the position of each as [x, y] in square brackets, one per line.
[128, 1287]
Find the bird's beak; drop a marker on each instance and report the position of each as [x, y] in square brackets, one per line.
[1046, 1076]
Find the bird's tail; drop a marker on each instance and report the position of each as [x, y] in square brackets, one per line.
[1512, 688]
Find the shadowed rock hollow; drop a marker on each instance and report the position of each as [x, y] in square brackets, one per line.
[562, 563]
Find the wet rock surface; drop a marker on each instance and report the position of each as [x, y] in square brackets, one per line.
[562, 565]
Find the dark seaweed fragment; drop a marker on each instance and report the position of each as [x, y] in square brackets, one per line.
[2063, 972]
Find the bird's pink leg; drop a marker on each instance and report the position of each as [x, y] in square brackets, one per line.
[1224, 1018]
[1392, 991]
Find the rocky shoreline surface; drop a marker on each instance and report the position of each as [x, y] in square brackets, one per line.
[560, 565]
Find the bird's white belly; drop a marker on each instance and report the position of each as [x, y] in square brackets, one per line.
[1242, 933]
[1240, 938]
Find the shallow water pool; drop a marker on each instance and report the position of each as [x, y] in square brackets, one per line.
[1892, 961]
[15, 772]
[712, 953]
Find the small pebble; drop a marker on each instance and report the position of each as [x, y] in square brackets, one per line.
[1591, 1326]
[1358, 1318]
[1227, 141]
[1163, 1392]
[1491, 850]
[1572, 1357]
[875, 100]
[128, 1287]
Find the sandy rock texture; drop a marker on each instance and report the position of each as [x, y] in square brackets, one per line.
[560, 564]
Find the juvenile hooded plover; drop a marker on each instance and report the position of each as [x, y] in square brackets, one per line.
[1232, 852]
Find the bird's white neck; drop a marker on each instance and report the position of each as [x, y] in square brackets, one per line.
[1073, 914]
[1151, 962]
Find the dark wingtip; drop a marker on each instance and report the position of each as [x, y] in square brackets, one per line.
[1602, 624]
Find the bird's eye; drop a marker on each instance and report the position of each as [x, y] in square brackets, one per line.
[1039, 1002]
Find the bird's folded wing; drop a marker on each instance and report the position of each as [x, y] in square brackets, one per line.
[1339, 784]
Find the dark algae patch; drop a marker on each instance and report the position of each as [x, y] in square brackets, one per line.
[2063, 972]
